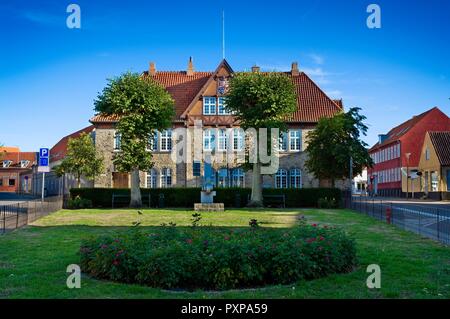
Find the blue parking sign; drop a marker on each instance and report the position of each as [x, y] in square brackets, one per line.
[43, 161]
[43, 152]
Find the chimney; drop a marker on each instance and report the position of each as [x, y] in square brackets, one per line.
[255, 68]
[294, 69]
[190, 70]
[152, 69]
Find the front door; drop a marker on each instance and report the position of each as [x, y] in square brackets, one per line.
[120, 180]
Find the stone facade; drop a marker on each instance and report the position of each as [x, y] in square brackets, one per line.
[189, 90]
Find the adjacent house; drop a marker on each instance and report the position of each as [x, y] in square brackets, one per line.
[199, 98]
[16, 170]
[434, 165]
[60, 185]
[397, 155]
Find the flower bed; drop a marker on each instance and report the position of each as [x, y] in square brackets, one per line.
[217, 258]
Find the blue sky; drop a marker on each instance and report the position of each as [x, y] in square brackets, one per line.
[50, 74]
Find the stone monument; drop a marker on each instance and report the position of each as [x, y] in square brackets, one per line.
[207, 193]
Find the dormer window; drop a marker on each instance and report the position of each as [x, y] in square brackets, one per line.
[209, 105]
[24, 163]
[6, 163]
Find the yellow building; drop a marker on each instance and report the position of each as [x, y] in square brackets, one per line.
[434, 165]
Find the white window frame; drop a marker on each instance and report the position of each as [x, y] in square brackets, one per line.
[295, 140]
[6, 163]
[238, 139]
[281, 178]
[166, 177]
[208, 139]
[221, 106]
[295, 178]
[223, 181]
[24, 163]
[238, 177]
[166, 140]
[151, 180]
[222, 140]
[209, 105]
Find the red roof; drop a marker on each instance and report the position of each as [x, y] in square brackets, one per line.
[16, 158]
[9, 149]
[441, 143]
[397, 132]
[59, 150]
[312, 102]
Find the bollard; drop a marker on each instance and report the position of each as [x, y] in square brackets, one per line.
[388, 215]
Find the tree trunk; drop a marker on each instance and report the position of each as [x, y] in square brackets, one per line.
[79, 180]
[256, 199]
[136, 200]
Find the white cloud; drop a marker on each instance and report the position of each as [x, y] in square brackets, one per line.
[317, 59]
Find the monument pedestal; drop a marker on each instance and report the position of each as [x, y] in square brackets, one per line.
[209, 207]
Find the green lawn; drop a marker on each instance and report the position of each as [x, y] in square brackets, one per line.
[33, 260]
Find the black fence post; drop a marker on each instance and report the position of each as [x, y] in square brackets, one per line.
[17, 215]
[437, 224]
[4, 219]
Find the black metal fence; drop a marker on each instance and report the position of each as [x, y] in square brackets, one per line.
[428, 220]
[20, 214]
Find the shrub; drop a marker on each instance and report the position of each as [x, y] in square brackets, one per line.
[218, 258]
[329, 203]
[79, 203]
[186, 197]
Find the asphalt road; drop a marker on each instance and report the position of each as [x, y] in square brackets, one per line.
[12, 198]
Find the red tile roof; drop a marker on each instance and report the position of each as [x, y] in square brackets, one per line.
[397, 132]
[182, 87]
[312, 102]
[59, 150]
[441, 143]
[16, 158]
[10, 149]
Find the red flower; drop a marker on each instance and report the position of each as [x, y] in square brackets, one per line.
[321, 238]
[314, 225]
[189, 241]
[227, 237]
[116, 262]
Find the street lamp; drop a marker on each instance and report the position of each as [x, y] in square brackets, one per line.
[407, 174]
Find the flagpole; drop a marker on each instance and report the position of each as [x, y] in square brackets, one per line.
[223, 34]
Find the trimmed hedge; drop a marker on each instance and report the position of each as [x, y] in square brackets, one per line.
[214, 258]
[186, 197]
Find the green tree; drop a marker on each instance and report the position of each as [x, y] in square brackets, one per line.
[81, 159]
[142, 106]
[334, 143]
[261, 100]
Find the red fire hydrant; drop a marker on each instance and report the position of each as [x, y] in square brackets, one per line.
[388, 215]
